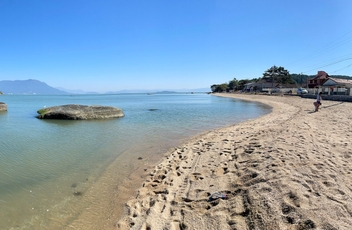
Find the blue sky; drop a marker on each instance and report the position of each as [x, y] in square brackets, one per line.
[159, 44]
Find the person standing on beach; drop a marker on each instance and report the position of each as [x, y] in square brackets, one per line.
[318, 102]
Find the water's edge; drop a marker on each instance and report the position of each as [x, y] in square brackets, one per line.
[103, 174]
[133, 181]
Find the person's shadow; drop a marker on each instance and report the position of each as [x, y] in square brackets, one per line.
[328, 106]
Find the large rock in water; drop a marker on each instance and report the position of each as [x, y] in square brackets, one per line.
[79, 112]
[3, 107]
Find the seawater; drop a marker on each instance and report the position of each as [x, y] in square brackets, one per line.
[46, 165]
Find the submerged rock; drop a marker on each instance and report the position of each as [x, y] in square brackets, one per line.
[3, 106]
[79, 112]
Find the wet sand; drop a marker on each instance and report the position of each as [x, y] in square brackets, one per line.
[290, 169]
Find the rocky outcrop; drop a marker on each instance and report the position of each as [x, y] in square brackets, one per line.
[79, 112]
[3, 107]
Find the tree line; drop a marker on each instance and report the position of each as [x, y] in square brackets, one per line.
[277, 74]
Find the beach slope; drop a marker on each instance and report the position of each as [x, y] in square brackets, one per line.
[290, 169]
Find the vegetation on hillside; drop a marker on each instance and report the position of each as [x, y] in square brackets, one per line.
[303, 78]
[273, 74]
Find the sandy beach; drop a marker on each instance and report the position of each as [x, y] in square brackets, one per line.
[290, 169]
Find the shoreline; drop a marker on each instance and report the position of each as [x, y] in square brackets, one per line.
[120, 182]
[288, 169]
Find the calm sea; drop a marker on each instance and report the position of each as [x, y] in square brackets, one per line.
[47, 164]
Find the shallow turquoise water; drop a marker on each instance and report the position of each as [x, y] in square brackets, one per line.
[44, 161]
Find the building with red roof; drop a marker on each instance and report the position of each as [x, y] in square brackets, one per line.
[318, 80]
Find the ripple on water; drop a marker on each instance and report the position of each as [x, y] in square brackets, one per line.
[47, 167]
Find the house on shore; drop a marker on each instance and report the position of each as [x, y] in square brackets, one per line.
[259, 85]
[338, 86]
[318, 80]
[266, 84]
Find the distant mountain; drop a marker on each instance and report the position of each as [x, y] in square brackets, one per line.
[200, 90]
[37, 87]
[77, 91]
[28, 87]
[130, 91]
[165, 92]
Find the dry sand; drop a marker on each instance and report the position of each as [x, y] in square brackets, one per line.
[290, 169]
